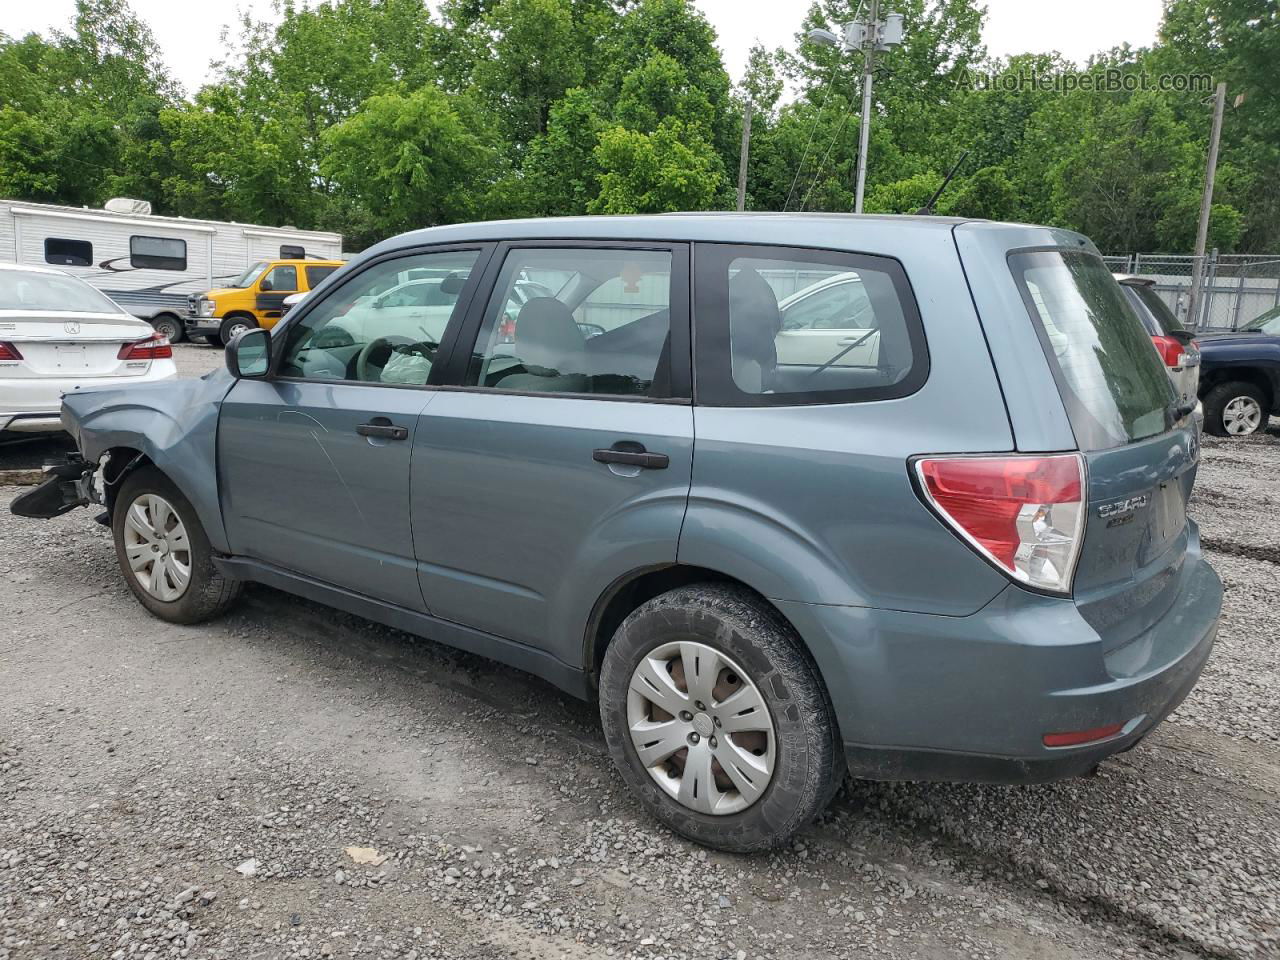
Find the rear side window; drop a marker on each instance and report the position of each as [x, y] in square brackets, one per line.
[157, 253]
[782, 325]
[316, 274]
[68, 253]
[1113, 384]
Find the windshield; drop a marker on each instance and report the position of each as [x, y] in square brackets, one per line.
[32, 290]
[250, 276]
[1112, 382]
[1268, 322]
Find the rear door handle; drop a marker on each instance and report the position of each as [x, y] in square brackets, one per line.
[382, 427]
[631, 454]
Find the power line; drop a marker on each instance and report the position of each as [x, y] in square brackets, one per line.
[813, 128]
[823, 165]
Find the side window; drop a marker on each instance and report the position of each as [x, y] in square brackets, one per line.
[68, 253]
[291, 252]
[353, 334]
[606, 329]
[157, 253]
[281, 279]
[780, 325]
[317, 274]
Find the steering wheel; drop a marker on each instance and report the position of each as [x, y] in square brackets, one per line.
[365, 366]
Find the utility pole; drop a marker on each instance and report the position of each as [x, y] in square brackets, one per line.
[742, 157]
[864, 134]
[869, 35]
[1206, 204]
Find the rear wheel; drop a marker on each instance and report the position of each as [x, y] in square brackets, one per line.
[169, 325]
[717, 718]
[1235, 409]
[163, 551]
[235, 325]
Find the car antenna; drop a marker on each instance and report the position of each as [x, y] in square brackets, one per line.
[927, 209]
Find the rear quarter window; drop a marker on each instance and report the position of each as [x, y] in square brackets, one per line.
[1113, 384]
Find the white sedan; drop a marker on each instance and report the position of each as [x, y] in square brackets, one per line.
[59, 335]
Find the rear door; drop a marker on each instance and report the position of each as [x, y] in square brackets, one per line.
[558, 461]
[1140, 465]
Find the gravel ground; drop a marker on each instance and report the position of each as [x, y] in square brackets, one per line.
[192, 791]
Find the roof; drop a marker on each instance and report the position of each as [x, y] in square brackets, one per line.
[31, 268]
[838, 231]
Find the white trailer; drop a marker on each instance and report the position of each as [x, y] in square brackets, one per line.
[148, 264]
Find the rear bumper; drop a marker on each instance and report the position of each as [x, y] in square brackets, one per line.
[922, 697]
[31, 422]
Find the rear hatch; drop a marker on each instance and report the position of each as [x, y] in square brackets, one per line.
[66, 344]
[1140, 464]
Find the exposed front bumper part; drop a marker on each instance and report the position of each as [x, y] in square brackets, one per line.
[68, 484]
[31, 422]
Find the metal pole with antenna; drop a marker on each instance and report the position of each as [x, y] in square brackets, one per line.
[869, 36]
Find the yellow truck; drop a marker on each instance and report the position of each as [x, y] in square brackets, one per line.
[256, 299]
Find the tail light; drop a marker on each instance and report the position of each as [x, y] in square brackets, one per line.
[155, 347]
[1171, 351]
[1024, 514]
[9, 352]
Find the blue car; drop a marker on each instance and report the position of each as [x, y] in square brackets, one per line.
[787, 496]
[1240, 376]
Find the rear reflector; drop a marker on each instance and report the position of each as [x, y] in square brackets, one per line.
[1024, 514]
[9, 352]
[1078, 737]
[155, 347]
[1171, 350]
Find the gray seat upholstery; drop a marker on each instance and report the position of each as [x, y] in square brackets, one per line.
[754, 322]
[550, 348]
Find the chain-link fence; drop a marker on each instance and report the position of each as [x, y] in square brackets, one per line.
[1236, 288]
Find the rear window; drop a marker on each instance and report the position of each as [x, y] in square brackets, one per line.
[1152, 310]
[1113, 384]
[23, 290]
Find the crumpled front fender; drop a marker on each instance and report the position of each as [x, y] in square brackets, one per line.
[173, 422]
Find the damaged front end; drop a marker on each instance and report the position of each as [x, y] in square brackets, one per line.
[69, 483]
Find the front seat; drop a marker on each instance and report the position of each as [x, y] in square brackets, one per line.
[550, 348]
[754, 322]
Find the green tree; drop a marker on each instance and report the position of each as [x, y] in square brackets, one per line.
[411, 160]
[670, 169]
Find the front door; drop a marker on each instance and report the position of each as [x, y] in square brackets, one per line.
[315, 461]
[563, 456]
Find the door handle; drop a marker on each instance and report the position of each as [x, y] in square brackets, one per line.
[631, 454]
[382, 427]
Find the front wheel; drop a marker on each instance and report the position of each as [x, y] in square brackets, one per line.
[717, 719]
[1235, 409]
[235, 325]
[163, 551]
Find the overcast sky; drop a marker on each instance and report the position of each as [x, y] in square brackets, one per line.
[188, 32]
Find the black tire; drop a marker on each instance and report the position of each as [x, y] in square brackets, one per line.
[225, 332]
[212, 340]
[170, 326]
[808, 762]
[207, 593]
[1217, 399]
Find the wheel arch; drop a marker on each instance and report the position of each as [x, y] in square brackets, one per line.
[631, 590]
[1255, 376]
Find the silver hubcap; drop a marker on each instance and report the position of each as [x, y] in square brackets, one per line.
[236, 330]
[701, 727]
[1242, 415]
[157, 548]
